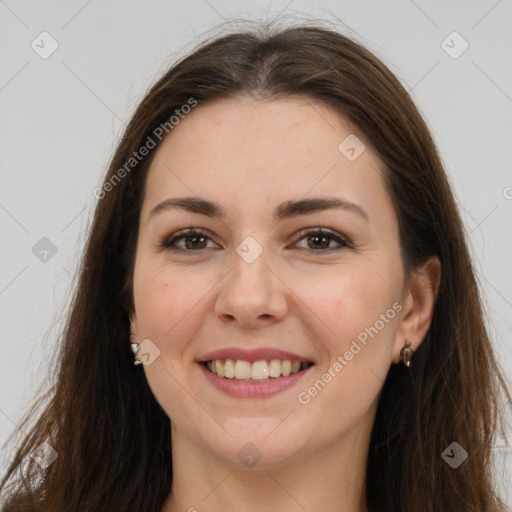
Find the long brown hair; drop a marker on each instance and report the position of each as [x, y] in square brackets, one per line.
[111, 436]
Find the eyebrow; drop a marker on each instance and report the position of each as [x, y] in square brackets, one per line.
[285, 210]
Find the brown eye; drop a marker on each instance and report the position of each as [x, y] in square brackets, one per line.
[320, 239]
[194, 240]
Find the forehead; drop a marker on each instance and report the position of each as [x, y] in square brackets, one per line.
[244, 151]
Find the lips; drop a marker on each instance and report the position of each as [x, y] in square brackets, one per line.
[257, 354]
[257, 373]
[255, 388]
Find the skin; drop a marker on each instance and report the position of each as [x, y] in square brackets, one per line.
[251, 155]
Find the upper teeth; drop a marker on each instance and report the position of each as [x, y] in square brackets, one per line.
[259, 370]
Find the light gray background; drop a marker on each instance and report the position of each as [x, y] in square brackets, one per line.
[61, 118]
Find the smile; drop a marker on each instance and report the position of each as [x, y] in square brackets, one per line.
[275, 376]
[257, 371]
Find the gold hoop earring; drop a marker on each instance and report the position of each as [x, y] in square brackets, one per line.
[406, 353]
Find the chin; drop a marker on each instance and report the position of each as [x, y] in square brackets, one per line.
[260, 443]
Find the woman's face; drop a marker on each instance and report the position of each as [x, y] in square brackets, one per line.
[261, 277]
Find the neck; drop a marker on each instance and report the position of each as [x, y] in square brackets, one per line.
[334, 473]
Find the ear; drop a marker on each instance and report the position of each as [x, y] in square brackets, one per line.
[134, 328]
[418, 301]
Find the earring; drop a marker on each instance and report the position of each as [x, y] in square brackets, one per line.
[135, 349]
[406, 353]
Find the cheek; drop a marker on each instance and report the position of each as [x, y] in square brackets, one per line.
[170, 302]
[358, 309]
[359, 320]
[350, 297]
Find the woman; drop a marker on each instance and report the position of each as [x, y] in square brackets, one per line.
[277, 243]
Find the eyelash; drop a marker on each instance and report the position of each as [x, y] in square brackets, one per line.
[167, 243]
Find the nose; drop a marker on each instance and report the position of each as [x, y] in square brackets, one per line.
[252, 294]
